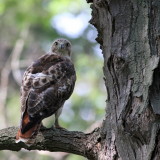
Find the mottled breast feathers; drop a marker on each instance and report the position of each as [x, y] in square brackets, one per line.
[47, 83]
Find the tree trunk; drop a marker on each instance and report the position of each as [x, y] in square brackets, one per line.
[129, 35]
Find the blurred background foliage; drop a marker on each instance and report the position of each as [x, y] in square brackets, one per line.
[28, 28]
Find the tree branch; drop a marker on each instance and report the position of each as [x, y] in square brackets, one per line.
[54, 140]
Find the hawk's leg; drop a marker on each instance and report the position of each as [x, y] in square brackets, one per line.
[57, 114]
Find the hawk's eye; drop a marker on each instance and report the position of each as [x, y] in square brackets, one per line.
[67, 44]
[56, 43]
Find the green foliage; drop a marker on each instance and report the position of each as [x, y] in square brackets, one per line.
[56, 7]
[25, 12]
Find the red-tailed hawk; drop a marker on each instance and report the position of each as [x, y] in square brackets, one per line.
[46, 85]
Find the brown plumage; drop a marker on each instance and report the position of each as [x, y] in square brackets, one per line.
[46, 85]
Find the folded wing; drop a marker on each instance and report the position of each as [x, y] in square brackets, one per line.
[46, 84]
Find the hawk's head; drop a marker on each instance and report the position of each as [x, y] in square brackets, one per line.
[61, 47]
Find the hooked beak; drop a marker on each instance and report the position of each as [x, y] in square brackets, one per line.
[62, 46]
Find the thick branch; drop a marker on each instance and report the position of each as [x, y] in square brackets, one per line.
[54, 140]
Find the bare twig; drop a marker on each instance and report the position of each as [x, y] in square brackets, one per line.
[12, 63]
[16, 53]
[3, 91]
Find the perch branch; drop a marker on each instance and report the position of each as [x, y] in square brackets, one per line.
[54, 140]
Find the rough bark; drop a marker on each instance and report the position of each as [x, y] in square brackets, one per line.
[129, 32]
[54, 140]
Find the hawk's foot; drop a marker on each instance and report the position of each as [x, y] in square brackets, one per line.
[59, 127]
